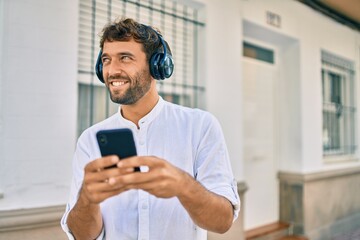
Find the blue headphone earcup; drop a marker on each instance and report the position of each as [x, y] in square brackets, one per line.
[161, 66]
[166, 67]
[99, 68]
[154, 66]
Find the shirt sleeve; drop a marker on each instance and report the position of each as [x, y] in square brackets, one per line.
[66, 229]
[212, 166]
[80, 159]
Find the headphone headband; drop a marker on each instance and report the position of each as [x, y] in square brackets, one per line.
[161, 63]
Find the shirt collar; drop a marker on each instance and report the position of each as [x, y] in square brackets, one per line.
[148, 118]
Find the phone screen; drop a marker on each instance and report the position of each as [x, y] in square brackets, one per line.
[118, 142]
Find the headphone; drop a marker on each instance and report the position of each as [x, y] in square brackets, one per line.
[161, 63]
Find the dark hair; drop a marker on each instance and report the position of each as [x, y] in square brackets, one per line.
[126, 29]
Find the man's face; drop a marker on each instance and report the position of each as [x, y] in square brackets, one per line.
[125, 71]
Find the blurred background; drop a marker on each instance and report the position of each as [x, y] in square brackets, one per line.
[282, 77]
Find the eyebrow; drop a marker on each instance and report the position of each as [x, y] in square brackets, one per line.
[125, 53]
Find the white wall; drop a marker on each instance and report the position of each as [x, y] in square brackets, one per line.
[1, 93]
[38, 92]
[339, 40]
[222, 63]
[313, 32]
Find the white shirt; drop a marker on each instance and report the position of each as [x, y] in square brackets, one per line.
[190, 139]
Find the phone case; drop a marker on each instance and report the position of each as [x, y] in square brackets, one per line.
[118, 142]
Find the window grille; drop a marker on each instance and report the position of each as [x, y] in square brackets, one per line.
[339, 109]
[179, 25]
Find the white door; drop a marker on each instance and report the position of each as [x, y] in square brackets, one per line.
[260, 165]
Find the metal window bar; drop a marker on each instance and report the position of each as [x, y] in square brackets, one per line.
[339, 110]
[92, 60]
[179, 25]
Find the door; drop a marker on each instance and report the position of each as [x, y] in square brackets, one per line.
[260, 164]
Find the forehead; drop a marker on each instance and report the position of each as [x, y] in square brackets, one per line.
[116, 47]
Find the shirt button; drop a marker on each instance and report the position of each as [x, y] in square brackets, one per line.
[144, 206]
[142, 142]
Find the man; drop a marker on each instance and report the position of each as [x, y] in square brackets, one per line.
[188, 187]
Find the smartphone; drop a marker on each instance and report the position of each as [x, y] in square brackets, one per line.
[118, 142]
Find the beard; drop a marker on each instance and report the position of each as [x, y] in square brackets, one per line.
[139, 85]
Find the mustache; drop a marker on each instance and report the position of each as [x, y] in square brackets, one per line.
[118, 77]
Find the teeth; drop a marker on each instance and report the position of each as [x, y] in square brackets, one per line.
[118, 83]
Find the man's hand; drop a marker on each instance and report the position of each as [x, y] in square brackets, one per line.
[208, 210]
[85, 220]
[161, 180]
[99, 179]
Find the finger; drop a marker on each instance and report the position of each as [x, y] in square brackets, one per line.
[146, 186]
[106, 174]
[101, 163]
[105, 186]
[137, 161]
[99, 197]
[135, 178]
[98, 176]
[98, 187]
[153, 187]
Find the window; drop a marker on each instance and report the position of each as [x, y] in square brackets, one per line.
[257, 52]
[180, 26]
[91, 111]
[339, 110]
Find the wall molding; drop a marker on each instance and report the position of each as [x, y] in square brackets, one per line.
[242, 187]
[19, 219]
[309, 177]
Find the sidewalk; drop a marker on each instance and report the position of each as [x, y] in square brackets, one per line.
[349, 236]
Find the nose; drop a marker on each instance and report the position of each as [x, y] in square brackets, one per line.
[113, 68]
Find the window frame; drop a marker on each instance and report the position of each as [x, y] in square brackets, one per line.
[346, 104]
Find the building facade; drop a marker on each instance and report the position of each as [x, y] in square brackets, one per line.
[281, 78]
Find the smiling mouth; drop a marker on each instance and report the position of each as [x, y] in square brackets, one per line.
[117, 84]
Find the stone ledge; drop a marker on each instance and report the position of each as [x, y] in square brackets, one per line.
[309, 177]
[30, 218]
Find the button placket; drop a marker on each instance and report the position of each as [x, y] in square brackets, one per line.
[143, 205]
[144, 218]
[142, 140]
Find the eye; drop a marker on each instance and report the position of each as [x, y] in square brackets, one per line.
[105, 60]
[126, 58]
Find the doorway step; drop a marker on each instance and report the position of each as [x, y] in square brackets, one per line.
[273, 231]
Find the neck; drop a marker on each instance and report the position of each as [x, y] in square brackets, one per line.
[142, 107]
